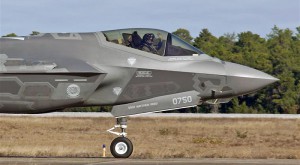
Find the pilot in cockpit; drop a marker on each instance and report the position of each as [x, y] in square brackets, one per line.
[149, 44]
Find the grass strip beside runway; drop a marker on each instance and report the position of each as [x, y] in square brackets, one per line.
[152, 137]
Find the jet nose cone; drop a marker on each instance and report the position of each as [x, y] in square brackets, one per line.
[245, 79]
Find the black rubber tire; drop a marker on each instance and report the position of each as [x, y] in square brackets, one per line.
[118, 140]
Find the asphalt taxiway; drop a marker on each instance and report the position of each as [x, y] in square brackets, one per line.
[113, 161]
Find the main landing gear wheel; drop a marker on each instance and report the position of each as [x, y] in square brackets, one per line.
[121, 147]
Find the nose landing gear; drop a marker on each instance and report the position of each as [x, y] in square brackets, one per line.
[120, 147]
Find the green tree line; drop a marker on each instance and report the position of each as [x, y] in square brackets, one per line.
[278, 54]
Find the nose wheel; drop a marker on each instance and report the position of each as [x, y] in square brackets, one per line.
[120, 147]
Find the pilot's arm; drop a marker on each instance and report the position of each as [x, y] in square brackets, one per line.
[146, 49]
[158, 41]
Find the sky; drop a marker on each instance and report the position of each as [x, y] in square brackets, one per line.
[218, 16]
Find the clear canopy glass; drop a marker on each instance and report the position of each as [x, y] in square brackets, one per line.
[153, 41]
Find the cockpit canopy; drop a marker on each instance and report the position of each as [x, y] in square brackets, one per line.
[153, 41]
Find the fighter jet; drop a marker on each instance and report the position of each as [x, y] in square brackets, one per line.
[134, 70]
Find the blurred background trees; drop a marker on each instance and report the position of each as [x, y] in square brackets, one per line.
[278, 54]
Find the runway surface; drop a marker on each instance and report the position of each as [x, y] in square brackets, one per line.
[112, 161]
[180, 115]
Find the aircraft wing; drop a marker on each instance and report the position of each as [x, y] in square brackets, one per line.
[41, 86]
[19, 65]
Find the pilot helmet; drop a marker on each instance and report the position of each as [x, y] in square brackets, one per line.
[149, 38]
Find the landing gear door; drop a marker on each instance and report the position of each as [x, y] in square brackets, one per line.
[157, 104]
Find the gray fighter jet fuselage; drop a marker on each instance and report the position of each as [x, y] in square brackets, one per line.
[134, 70]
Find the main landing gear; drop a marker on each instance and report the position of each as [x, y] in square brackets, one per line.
[120, 147]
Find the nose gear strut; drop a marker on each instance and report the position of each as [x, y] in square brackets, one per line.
[121, 147]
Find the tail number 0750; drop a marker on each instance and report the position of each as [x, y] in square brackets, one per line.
[182, 100]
